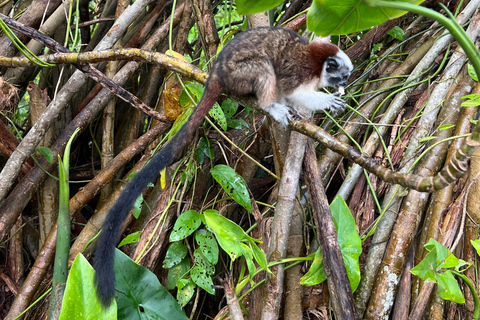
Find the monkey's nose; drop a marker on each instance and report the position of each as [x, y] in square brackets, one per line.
[344, 81]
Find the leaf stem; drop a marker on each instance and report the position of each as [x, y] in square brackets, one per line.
[476, 300]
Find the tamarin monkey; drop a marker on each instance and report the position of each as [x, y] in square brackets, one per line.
[278, 67]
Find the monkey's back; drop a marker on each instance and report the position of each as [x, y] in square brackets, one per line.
[255, 55]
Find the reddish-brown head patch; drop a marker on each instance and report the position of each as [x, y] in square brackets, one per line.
[319, 52]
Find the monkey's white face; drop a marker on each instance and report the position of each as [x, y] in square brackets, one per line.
[336, 70]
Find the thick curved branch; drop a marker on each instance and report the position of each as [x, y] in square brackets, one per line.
[457, 167]
[85, 68]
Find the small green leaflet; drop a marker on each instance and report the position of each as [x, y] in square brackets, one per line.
[446, 127]
[131, 238]
[472, 73]
[46, 152]
[397, 33]
[472, 100]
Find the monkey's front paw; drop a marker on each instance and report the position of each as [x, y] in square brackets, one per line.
[280, 113]
[337, 105]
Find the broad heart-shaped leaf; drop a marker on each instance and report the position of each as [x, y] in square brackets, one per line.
[79, 300]
[140, 295]
[348, 239]
[233, 184]
[350, 246]
[334, 17]
[186, 224]
[444, 258]
[255, 6]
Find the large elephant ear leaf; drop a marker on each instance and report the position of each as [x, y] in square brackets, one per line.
[255, 6]
[333, 17]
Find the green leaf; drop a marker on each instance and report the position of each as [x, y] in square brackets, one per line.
[46, 152]
[236, 123]
[217, 113]
[139, 293]
[207, 245]
[176, 274]
[186, 224]
[255, 6]
[448, 288]
[230, 107]
[472, 73]
[348, 239]
[440, 258]
[472, 96]
[79, 299]
[202, 262]
[462, 263]
[333, 17]
[175, 253]
[444, 257]
[180, 121]
[316, 273]
[471, 103]
[131, 238]
[425, 139]
[228, 234]
[233, 184]
[426, 269]
[200, 277]
[205, 146]
[476, 245]
[446, 127]
[137, 206]
[350, 246]
[260, 257]
[397, 33]
[185, 291]
[248, 254]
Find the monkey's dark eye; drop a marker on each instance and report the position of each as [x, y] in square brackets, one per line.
[332, 65]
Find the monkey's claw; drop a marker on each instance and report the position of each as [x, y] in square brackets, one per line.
[293, 114]
[337, 105]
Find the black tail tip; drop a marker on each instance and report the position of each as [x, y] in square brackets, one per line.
[105, 290]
